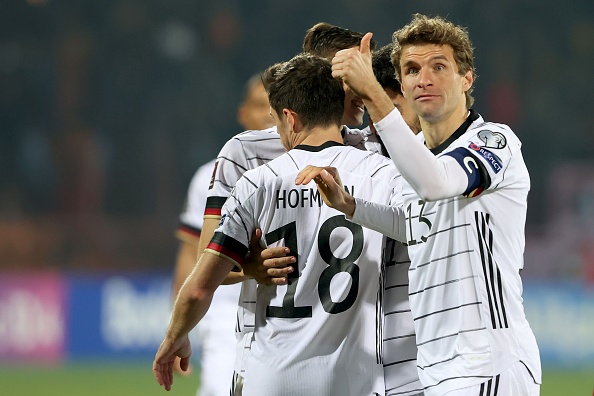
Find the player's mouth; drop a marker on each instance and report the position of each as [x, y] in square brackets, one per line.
[358, 104]
[425, 97]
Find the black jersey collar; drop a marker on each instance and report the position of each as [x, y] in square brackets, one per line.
[318, 148]
[473, 116]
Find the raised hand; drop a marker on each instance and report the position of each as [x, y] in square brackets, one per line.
[353, 67]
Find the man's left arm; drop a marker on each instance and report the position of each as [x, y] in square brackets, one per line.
[191, 305]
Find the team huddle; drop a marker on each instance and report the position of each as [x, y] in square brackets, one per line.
[375, 261]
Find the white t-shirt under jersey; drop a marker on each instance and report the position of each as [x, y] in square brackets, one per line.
[320, 335]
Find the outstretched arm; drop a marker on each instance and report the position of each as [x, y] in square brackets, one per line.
[387, 219]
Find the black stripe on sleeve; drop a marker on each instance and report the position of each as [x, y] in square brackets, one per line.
[215, 202]
[491, 272]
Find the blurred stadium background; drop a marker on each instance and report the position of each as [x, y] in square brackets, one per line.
[108, 107]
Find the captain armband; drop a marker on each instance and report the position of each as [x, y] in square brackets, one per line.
[478, 177]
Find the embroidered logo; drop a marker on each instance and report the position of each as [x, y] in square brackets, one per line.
[492, 139]
[223, 218]
[491, 158]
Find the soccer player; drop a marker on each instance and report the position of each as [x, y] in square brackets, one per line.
[317, 335]
[216, 330]
[465, 189]
[251, 149]
[399, 349]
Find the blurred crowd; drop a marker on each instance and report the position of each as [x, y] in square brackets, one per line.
[108, 107]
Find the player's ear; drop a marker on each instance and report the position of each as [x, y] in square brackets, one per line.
[292, 119]
[468, 80]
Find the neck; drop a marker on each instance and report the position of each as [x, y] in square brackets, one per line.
[438, 131]
[317, 136]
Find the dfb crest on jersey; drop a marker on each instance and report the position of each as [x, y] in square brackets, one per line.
[492, 139]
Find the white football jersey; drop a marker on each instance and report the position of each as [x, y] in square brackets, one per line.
[192, 217]
[466, 253]
[321, 334]
[399, 342]
[243, 152]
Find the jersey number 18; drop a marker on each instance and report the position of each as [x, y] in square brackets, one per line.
[335, 266]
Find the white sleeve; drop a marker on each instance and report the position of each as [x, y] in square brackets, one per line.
[432, 177]
[193, 212]
[386, 219]
[230, 166]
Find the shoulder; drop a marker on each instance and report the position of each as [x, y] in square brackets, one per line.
[369, 162]
[250, 138]
[257, 135]
[204, 171]
[493, 135]
[202, 177]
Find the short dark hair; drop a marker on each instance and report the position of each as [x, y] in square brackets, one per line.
[269, 75]
[383, 69]
[305, 85]
[325, 40]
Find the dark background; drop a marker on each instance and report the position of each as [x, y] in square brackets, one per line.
[108, 107]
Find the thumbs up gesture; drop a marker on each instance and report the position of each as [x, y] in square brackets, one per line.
[353, 67]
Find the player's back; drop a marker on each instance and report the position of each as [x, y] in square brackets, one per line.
[245, 151]
[321, 334]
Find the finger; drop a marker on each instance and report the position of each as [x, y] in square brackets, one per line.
[307, 175]
[160, 373]
[279, 262]
[337, 74]
[255, 240]
[341, 56]
[365, 46]
[278, 281]
[327, 178]
[322, 184]
[302, 173]
[184, 364]
[279, 272]
[167, 369]
[274, 252]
